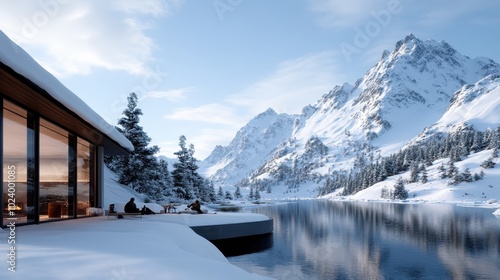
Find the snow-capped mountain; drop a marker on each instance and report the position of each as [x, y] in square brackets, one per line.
[419, 88]
[251, 147]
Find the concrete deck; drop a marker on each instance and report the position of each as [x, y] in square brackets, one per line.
[224, 225]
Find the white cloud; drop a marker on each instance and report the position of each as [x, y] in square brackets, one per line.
[173, 95]
[295, 84]
[76, 37]
[211, 113]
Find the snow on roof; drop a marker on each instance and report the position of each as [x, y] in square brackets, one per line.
[20, 61]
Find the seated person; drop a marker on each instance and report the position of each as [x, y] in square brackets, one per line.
[130, 207]
[196, 206]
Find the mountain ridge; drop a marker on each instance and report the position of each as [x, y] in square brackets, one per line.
[372, 118]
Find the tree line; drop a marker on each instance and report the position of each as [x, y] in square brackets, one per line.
[415, 158]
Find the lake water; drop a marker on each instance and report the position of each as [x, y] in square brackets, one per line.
[368, 240]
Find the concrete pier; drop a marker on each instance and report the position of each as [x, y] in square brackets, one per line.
[234, 230]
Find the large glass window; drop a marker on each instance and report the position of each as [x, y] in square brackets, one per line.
[84, 171]
[18, 165]
[55, 192]
[48, 172]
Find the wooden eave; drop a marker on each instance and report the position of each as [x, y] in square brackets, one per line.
[27, 94]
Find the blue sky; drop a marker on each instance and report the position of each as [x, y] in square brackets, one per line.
[204, 68]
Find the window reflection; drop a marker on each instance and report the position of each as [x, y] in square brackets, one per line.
[84, 165]
[18, 185]
[54, 170]
[65, 169]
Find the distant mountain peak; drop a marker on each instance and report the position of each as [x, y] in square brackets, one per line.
[407, 43]
[269, 111]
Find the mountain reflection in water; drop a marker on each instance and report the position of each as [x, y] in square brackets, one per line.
[368, 240]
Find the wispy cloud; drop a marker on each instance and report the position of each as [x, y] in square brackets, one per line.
[294, 84]
[204, 140]
[211, 113]
[442, 14]
[149, 7]
[76, 37]
[173, 95]
[338, 13]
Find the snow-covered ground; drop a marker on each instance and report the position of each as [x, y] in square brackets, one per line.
[154, 247]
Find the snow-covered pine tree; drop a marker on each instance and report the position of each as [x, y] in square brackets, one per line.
[452, 169]
[166, 179]
[489, 163]
[228, 195]
[400, 191]
[237, 193]
[139, 169]
[256, 195]
[414, 170]
[467, 176]
[183, 186]
[188, 183]
[442, 171]
[220, 193]
[209, 191]
[424, 177]
[251, 196]
[385, 193]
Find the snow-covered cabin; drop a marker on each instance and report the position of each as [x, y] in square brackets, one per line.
[52, 144]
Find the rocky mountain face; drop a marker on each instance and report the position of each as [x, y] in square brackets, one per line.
[250, 148]
[419, 88]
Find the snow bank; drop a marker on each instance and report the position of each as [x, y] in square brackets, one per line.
[497, 213]
[154, 247]
[130, 248]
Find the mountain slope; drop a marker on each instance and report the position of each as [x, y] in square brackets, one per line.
[420, 88]
[249, 149]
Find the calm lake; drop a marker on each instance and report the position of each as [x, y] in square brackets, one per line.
[368, 240]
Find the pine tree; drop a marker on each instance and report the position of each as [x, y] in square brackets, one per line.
[188, 183]
[385, 193]
[256, 195]
[414, 170]
[228, 195]
[251, 195]
[424, 178]
[166, 179]
[183, 185]
[442, 171]
[452, 169]
[211, 197]
[400, 191]
[139, 169]
[489, 163]
[467, 176]
[237, 193]
[220, 193]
